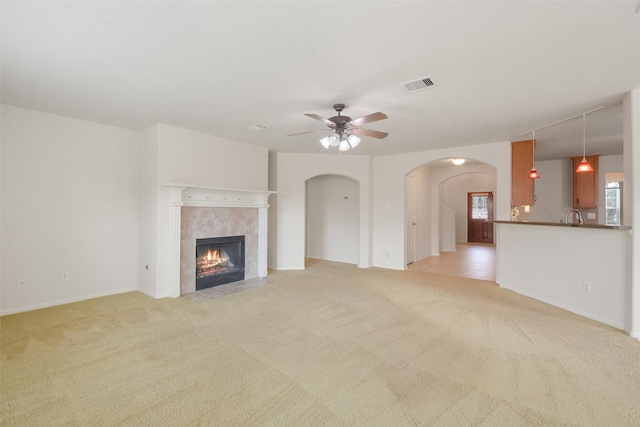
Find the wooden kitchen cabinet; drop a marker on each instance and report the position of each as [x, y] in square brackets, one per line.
[521, 164]
[585, 184]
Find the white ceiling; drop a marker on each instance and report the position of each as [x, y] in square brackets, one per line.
[500, 68]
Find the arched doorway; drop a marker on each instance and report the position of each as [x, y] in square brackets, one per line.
[441, 201]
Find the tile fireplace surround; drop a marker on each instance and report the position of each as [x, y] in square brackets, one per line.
[204, 223]
[201, 212]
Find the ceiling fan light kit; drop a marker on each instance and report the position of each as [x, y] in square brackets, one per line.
[345, 130]
[354, 140]
[344, 142]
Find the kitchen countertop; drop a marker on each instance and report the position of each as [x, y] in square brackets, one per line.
[561, 224]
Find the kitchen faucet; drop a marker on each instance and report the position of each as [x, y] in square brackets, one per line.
[566, 216]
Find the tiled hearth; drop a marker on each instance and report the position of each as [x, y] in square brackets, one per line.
[228, 289]
[202, 212]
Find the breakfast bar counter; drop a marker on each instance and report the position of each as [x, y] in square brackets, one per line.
[562, 224]
[582, 268]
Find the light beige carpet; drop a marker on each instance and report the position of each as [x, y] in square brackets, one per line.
[333, 345]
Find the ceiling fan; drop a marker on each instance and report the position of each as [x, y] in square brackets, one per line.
[346, 130]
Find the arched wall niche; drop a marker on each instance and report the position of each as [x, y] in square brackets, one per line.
[292, 174]
[332, 218]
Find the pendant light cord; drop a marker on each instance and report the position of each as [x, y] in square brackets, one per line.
[533, 148]
[534, 173]
[584, 138]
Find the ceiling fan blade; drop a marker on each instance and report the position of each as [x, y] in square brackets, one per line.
[309, 131]
[374, 117]
[319, 118]
[368, 132]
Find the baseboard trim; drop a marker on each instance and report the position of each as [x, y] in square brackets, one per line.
[147, 293]
[64, 301]
[567, 307]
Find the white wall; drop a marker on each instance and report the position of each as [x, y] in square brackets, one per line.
[551, 264]
[190, 157]
[272, 238]
[447, 228]
[333, 218]
[69, 203]
[293, 172]
[148, 211]
[423, 197]
[631, 207]
[454, 194]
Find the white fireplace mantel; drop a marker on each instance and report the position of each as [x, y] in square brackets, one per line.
[200, 196]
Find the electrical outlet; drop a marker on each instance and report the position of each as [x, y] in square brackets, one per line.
[21, 282]
[64, 276]
[586, 286]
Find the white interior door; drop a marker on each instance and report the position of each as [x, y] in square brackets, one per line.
[410, 218]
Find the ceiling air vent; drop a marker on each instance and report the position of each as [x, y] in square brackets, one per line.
[257, 127]
[417, 85]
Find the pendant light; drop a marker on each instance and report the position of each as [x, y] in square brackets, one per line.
[584, 166]
[534, 173]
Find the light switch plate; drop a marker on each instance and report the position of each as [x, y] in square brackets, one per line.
[591, 215]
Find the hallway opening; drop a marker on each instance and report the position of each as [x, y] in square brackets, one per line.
[471, 260]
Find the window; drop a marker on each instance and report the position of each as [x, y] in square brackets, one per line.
[480, 206]
[613, 202]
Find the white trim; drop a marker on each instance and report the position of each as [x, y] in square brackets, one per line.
[147, 293]
[67, 301]
[262, 241]
[198, 196]
[567, 307]
[175, 217]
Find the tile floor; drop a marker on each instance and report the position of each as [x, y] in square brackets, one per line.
[473, 260]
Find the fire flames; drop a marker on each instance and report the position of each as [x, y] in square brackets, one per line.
[214, 262]
[214, 258]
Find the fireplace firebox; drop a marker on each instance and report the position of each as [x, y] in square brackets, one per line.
[219, 260]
